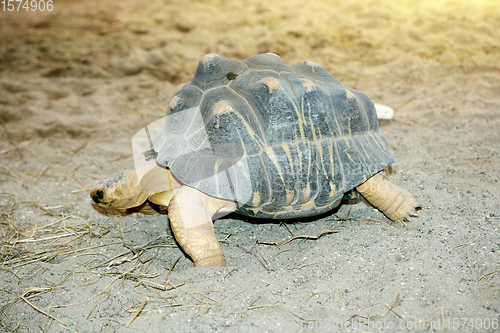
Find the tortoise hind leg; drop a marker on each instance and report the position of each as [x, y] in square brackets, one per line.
[396, 203]
[190, 212]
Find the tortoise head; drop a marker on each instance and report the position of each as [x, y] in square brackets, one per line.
[121, 190]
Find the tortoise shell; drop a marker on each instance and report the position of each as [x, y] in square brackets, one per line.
[283, 142]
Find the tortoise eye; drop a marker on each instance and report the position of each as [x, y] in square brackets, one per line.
[231, 76]
[98, 196]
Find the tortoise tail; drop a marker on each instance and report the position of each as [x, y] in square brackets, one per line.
[395, 202]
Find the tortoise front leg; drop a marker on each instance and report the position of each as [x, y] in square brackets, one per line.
[395, 202]
[190, 212]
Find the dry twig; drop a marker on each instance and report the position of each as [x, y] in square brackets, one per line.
[485, 275]
[8, 150]
[253, 245]
[299, 236]
[138, 312]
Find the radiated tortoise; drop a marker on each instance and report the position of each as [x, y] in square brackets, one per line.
[261, 139]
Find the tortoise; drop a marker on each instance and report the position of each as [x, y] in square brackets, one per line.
[261, 139]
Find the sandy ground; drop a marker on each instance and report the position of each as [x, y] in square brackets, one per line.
[76, 84]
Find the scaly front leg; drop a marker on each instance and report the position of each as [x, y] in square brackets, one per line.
[190, 212]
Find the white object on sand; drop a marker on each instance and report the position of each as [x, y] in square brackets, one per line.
[384, 111]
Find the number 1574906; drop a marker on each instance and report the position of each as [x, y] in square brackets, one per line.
[27, 5]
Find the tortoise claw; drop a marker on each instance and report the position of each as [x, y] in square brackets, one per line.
[413, 213]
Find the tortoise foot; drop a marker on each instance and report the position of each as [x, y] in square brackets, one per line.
[395, 202]
[212, 261]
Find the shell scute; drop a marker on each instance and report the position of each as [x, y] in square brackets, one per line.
[314, 71]
[187, 97]
[213, 71]
[272, 103]
[267, 61]
[229, 119]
